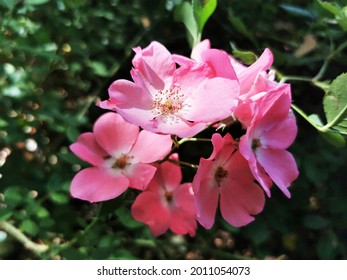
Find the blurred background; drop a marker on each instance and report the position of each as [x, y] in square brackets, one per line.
[58, 57]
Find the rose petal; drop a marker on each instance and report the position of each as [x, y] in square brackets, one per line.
[219, 61]
[240, 197]
[280, 165]
[139, 175]
[206, 195]
[213, 100]
[155, 64]
[125, 94]
[248, 76]
[94, 185]
[280, 136]
[150, 147]
[148, 209]
[88, 149]
[114, 134]
[171, 173]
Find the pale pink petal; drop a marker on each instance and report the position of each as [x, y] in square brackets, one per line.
[240, 197]
[187, 79]
[177, 126]
[155, 64]
[150, 147]
[125, 94]
[88, 149]
[280, 165]
[248, 76]
[139, 175]
[183, 60]
[114, 134]
[213, 100]
[141, 82]
[206, 194]
[148, 209]
[199, 49]
[94, 185]
[274, 106]
[237, 65]
[219, 61]
[280, 136]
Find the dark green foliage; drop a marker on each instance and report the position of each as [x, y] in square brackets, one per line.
[57, 57]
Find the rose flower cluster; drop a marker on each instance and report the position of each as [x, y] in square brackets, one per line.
[171, 97]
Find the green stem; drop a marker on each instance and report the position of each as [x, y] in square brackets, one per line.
[295, 78]
[303, 114]
[183, 140]
[324, 128]
[22, 238]
[180, 163]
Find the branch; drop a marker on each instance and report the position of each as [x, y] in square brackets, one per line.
[19, 236]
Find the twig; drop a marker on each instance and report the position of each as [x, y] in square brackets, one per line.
[19, 236]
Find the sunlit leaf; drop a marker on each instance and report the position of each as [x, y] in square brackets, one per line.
[202, 10]
[335, 104]
[246, 57]
[184, 13]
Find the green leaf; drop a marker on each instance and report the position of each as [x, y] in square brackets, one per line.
[335, 104]
[342, 22]
[334, 138]
[99, 69]
[246, 57]
[72, 133]
[30, 227]
[9, 3]
[315, 222]
[126, 219]
[315, 119]
[13, 196]
[331, 7]
[60, 198]
[5, 214]
[184, 13]
[202, 10]
[35, 2]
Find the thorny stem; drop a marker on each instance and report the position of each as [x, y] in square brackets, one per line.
[22, 238]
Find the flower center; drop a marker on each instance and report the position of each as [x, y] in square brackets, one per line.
[168, 196]
[167, 103]
[255, 144]
[220, 174]
[121, 162]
